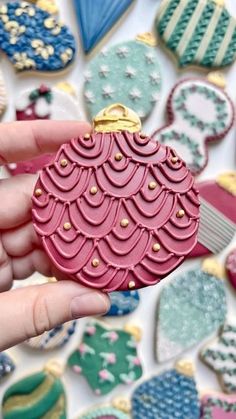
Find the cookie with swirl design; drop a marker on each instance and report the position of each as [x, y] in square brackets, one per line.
[116, 210]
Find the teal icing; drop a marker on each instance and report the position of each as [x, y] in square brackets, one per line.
[104, 412]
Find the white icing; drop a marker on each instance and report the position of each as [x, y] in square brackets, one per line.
[12, 166]
[165, 349]
[23, 101]
[42, 108]
[29, 112]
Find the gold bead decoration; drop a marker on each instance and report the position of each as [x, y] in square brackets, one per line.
[118, 156]
[86, 137]
[180, 213]
[63, 163]
[95, 263]
[156, 247]
[67, 226]
[124, 222]
[38, 192]
[93, 190]
[174, 159]
[131, 285]
[152, 186]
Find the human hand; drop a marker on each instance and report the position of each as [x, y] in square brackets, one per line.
[30, 311]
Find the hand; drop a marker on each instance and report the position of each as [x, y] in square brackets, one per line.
[30, 311]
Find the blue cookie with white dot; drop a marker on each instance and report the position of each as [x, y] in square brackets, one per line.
[123, 303]
[7, 365]
[126, 73]
[33, 39]
[54, 338]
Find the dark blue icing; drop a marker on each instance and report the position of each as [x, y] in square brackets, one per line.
[19, 28]
[123, 302]
[6, 365]
[96, 18]
[170, 395]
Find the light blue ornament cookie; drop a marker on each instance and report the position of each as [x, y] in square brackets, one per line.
[191, 308]
[105, 412]
[7, 365]
[33, 39]
[123, 303]
[171, 395]
[55, 338]
[126, 73]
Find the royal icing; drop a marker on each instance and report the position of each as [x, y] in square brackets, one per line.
[33, 39]
[153, 209]
[123, 303]
[3, 95]
[191, 308]
[53, 339]
[49, 6]
[218, 406]
[198, 32]
[95, 19]
[198, 114]
[231, 267]
[127, 73]
[104, 412]
[113, 354]
[221, 357]
[7, 365]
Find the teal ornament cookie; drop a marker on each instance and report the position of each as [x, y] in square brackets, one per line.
[126, 73]
[220, 356]
[123, 303]
[191, 308]
[54, 338]
[170, 395]
[106, 358]
[7, 366]
[198, 33]
[37, 396]
[105, 412]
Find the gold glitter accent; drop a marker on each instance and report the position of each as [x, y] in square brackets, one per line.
[54, 368]
[220, 3]
[217, 78]
[180, 213]
[134, 330]
[211, 266]
[185, 367]
[87, 136]
[117, 118]
[93, 190]
[131, 285]
[63, 163]
[38, 192]
[66, 87]
[122, 404]
[152, 185]
[227, 181]
[174, 159]
[95, 263]
[156, 247]
[147, 38]
[67, 226]
[118, 156]
[124, 222]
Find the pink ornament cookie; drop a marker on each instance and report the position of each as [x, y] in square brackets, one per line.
[231, 267]
[198, 113]
[42, 103]
[116, 210]
[218, 406]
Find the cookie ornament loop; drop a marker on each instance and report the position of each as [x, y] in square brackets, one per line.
[122, 235]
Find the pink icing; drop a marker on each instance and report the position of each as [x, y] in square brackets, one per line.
[231, 267]
[124, 254]
[103, 374]
[111, 358]
[218, 412]
[91, 330]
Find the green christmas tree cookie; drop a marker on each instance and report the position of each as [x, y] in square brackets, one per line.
[106, 358]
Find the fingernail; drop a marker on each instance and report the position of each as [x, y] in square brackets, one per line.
[89, 304]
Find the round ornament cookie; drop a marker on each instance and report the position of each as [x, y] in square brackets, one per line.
[230, 266]
[7, 366]
[123, 303]
[218, 406]
[198, 113]
[116, 210]
[192, 307]
[43, 102]
[109, 411]
[127, 73]
[54, 338]
[198, 33]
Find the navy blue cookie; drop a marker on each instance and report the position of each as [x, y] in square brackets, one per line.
[6, 365]
[33, 39]
[123, 303]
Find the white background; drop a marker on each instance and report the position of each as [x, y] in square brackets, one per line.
[221, 157]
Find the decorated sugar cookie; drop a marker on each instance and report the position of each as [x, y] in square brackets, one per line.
[218, 215]
[198, 113]
[55, 338]
[220, 356]
[218, 406]
[7, 365]
[112, 354]
[118, 409]
[33, 39]
[43, 102]
[231, 267]
[96, 19]
[116, 210]
[123, 303]
[198, 33]
[172, 394]
[128, 73]
[191, 308]
[49, 6]
[3, 95]
[40, 395]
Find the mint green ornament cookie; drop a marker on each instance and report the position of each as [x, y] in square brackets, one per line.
[191, 308]
[198, 32]
[126, 73]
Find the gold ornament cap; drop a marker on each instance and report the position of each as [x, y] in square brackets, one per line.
[66, 87]
[54, 367]
[217, 78]
[122, 404]
[227, 181]
[185, 367]
[117, 118]
[211, 266]
[147, 38]
[134, 330]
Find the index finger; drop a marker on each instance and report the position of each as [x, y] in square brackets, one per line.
[23, 140]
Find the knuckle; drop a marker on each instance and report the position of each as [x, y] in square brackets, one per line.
[40, 315]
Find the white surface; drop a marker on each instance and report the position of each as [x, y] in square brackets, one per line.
[221, 157]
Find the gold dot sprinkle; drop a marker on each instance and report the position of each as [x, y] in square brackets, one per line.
[156, 247]
[63, 163]
[93, 190]
[95, 263]
[152, 185]
[131, 285]
[86, 137]
[124, 222]
[118, 156]
[174, 159]
[67, 226]
[180, 213]
[38, 192]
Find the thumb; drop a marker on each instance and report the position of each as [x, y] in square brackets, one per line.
[31, 311]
